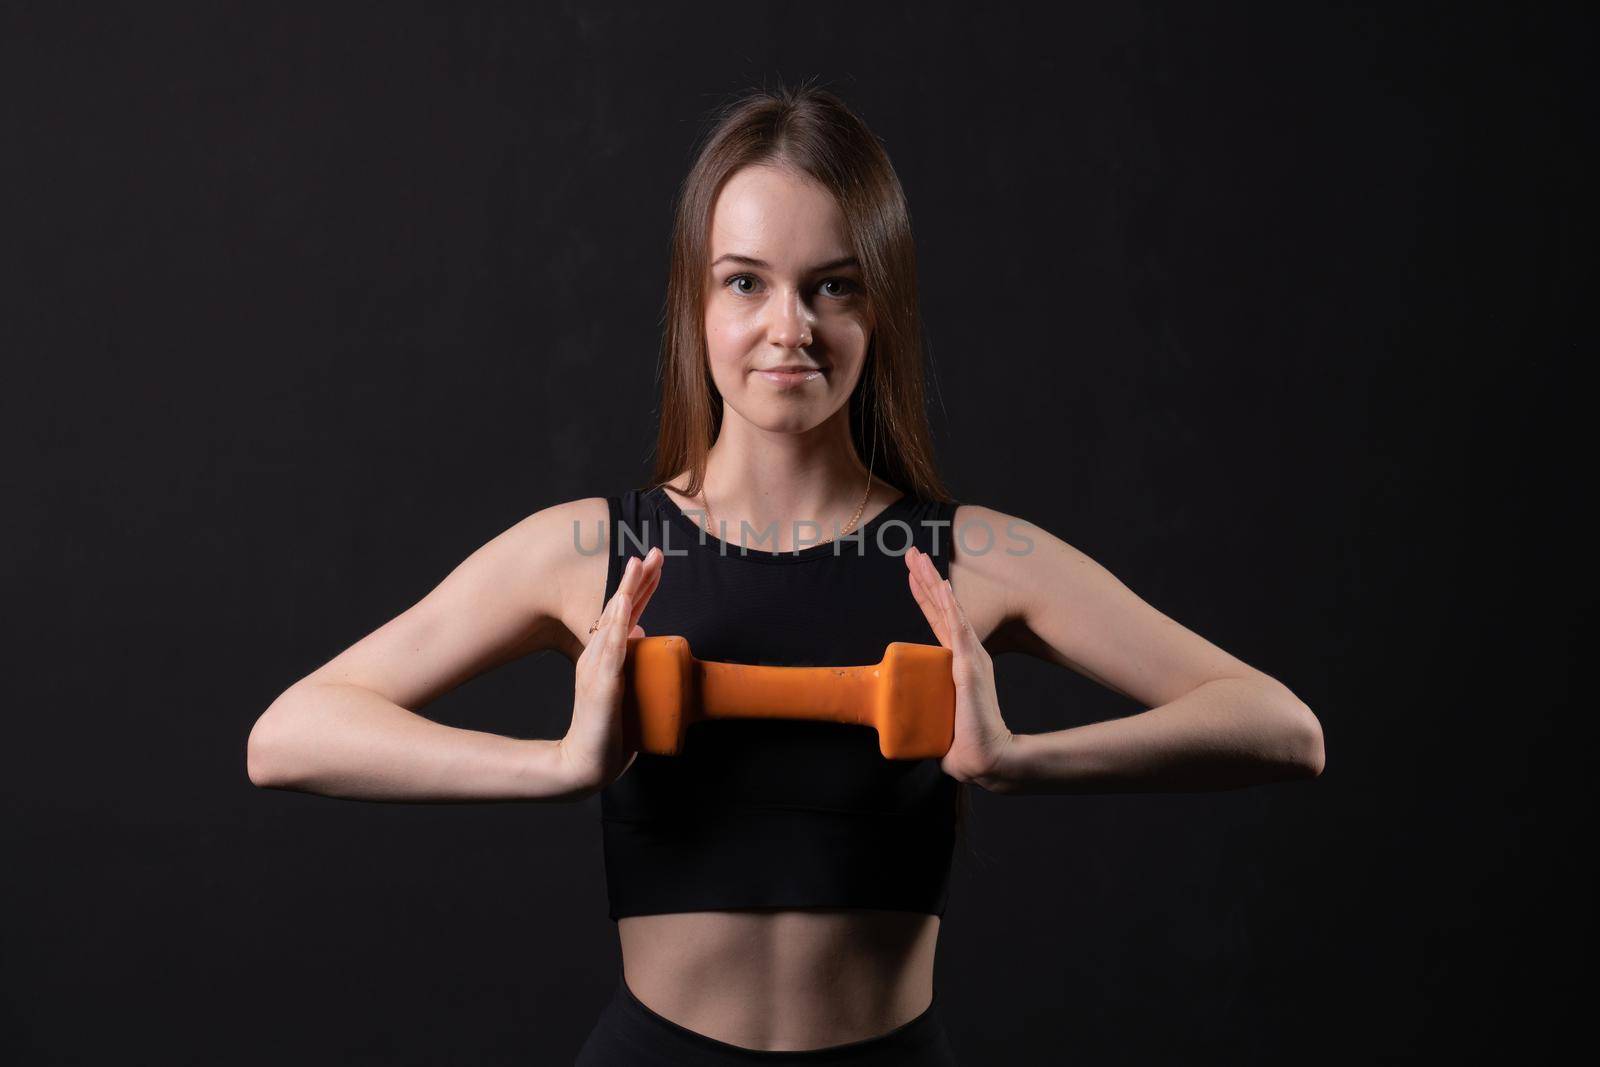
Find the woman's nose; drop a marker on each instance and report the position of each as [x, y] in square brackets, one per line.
[791, 322]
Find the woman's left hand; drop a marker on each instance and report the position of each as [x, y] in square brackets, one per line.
[981, 736]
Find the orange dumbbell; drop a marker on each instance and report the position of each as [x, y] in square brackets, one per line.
[909, 696]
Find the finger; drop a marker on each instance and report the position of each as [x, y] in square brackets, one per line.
[928, 573]
[919, 588]
[967, 630]
[967, 642]
[610, 612]
[926, 593]
[953, 617]
[641, 579]
[630, 573]
[623, 584]
[932, 610]
[617, 631]
[600, 624]
[928, 578]
[650, 579]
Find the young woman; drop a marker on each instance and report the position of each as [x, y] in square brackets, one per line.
[778, 886]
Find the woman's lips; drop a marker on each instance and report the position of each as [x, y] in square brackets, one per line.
[789, 377]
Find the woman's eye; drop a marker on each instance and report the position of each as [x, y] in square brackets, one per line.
[737, 284]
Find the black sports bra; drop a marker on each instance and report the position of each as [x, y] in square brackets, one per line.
[777, 813]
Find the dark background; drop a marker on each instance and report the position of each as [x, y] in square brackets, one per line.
[1265, 307]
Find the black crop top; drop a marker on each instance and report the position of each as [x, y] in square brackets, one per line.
[767, 812]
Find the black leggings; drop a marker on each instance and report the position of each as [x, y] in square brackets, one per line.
[628, 1034]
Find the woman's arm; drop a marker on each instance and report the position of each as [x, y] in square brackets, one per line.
[351, 729]
[348, 741]
[1214, 722]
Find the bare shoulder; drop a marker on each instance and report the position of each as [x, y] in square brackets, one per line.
[564, 550]
[1008, 568]
[986, 574]
[1010, 571]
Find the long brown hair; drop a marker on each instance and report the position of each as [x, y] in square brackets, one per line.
[813, 132]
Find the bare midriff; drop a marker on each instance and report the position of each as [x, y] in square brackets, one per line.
[782, 980]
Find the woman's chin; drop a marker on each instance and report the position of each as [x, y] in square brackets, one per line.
[795, 418]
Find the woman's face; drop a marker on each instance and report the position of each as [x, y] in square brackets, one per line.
[784, 292]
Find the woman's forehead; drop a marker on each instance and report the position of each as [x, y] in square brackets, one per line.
[773, 215]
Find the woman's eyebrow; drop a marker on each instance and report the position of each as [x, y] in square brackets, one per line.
[751, 261]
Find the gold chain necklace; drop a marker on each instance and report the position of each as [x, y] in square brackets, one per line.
[848, 526]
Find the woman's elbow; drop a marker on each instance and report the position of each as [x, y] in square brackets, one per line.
[256, 764]
[1307, 756]
[263, 752]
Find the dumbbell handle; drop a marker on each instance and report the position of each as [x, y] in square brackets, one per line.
[749, 691]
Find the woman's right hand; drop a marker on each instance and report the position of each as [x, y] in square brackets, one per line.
[592, 751]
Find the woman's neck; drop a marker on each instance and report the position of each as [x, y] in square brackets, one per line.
[778, 480]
